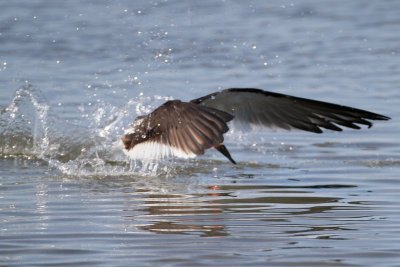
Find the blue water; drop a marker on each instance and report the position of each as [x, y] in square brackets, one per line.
[73, 74]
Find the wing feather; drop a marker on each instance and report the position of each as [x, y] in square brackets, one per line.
[205, 132]
[176, 128]
[269, 109]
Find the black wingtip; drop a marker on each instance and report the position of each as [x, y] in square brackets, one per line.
[379, 117]
[224, 151]
[383, 118]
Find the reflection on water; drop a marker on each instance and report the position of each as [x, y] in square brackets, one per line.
[156, 205]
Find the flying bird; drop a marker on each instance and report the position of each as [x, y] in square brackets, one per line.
[187, 129]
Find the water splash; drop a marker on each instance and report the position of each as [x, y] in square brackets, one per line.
[23, 124]
[29, 129]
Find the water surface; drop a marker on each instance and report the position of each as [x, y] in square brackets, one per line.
[73, 74]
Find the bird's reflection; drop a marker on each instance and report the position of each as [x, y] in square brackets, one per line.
[175, 228]
[195, 207]
[184, 214]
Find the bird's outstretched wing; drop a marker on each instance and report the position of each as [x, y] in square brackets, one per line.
[176, 128]
[259, 107]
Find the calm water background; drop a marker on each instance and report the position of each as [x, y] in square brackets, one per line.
[74, 73]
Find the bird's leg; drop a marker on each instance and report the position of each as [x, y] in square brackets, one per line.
[224, 151]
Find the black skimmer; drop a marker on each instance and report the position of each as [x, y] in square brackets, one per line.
[187, 129]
